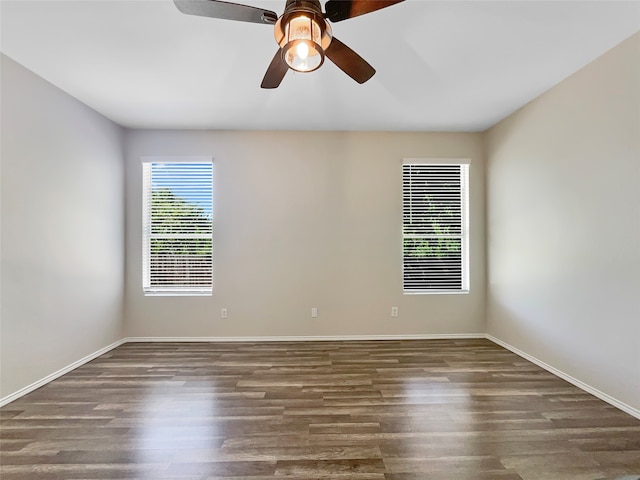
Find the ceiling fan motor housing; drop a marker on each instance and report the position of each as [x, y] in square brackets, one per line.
[303, 35]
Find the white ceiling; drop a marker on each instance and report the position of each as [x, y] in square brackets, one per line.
[441, 66]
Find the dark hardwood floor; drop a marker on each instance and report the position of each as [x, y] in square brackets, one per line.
[394, 410]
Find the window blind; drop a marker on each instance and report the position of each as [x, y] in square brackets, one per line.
[178, 227]
[435, 233]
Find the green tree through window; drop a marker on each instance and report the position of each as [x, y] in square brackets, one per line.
[178, 243]
[434, 214]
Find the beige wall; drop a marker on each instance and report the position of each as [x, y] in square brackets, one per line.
[305, 219]
[564, 226]
[62, 229]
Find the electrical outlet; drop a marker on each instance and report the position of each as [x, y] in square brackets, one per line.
[394, 311]
[314, 312]
[224, 313]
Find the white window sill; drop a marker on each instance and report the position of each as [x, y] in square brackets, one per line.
[436, 292]
[173, 293]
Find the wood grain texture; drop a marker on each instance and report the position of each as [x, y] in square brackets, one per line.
[393, 410]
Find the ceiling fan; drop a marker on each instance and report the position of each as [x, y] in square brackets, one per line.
[302, 32]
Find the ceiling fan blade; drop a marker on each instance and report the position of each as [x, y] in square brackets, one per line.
[276, 71]
[349, 61]
[338, 10]
[226, 10]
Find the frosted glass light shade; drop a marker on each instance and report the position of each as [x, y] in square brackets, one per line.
[303, 50]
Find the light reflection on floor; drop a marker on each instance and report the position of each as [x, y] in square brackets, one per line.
[171, 430]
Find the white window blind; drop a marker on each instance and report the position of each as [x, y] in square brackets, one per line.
[177, 227]
[435, 228]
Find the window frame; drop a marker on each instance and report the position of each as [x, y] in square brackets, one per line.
[465, 164]
[148, 290]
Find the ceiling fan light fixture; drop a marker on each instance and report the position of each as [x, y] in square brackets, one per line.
[302, 49]
[303, 35]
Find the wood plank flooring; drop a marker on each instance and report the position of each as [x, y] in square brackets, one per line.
[371, 410]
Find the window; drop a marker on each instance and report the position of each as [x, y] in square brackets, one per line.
[435, 227]
[177, 226]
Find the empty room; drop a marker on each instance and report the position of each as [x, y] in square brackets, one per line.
[348, 239]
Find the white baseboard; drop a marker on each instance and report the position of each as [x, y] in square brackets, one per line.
[308, 338]
[574, 381]
[43, 381]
